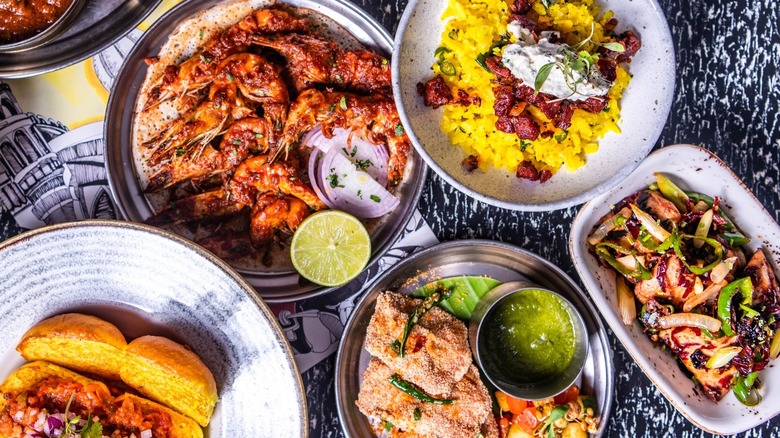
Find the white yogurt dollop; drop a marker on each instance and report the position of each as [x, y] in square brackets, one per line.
[526, 57]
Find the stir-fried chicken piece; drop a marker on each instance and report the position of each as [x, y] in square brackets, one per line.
[694, 348]
[462, 418]
[671, 282]
[765, 289]
[437, 352]
[662, 208]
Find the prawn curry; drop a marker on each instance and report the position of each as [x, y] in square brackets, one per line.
[220, 130]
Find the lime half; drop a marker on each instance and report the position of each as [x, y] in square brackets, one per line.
[330, 248]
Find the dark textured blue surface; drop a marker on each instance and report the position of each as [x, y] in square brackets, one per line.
[726, 100]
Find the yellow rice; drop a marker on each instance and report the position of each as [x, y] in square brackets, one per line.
[472, 27]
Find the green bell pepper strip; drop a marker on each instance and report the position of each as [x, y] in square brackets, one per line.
[641, 273]
[744, 286]
[711, 242]
[412, 390]
[735, 239]
[744, 391]
[648, 241]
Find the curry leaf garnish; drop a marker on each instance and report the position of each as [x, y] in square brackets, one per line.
[431, 300]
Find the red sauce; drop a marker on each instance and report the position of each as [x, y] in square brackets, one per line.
[23, 19]
[120, 416]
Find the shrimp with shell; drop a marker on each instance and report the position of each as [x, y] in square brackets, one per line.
[184, 82]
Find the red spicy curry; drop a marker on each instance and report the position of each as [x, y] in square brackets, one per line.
[23, 19]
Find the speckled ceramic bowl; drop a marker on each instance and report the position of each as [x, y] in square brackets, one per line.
[147, 281]
[645, 107]
[697, 169]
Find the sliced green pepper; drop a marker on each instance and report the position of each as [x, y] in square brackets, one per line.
[426, 305]
[744, 391]
[412, 390]
[648, 241]
[672, 192]
[640, 273]
[735, 239]
[711, 242]
[743, 285]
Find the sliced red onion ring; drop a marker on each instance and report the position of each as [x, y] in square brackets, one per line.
[351, 190]
[52, 423]
[362, 153]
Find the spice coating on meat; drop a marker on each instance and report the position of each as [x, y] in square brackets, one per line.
[437, 351]
[462, 418]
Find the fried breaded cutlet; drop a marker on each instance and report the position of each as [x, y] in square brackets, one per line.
[437, 351]
[466, 417]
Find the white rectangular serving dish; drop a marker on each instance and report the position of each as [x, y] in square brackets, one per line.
[692, 168]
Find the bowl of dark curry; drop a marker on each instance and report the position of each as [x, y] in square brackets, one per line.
[25, 24]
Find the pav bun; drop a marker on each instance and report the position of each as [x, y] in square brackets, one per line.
[171, 374]
[22, 384]
[80, 342]
[159, 368]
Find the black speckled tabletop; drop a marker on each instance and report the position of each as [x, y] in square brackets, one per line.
[726, 100]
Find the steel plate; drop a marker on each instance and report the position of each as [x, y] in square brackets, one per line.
[467, 257]
[100, 24]
[123, 180]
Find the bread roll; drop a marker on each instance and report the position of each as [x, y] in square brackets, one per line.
[172, 375]
[80, 342]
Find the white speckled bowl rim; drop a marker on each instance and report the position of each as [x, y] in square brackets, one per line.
[645, 108]
[692, 168]
[149, 281]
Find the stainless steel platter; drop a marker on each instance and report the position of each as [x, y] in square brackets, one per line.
[120, 114]
[100, 24]
[467, 257]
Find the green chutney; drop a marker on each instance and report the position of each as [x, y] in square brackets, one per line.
[529, 337]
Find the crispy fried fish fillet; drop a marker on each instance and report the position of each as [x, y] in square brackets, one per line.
[465, 417]
[437, 351]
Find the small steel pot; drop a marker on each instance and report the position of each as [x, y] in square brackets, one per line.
[533, 391]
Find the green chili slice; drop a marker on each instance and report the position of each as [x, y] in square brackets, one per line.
[744, 286]
[672, 192]
[412, 390]
[447, 68]
[640, 273]
[711, 242]
[431, 300]
[735, 238]
[744, 391]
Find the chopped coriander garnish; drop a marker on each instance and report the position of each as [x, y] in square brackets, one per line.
[363, 164]
[343, 102]
[562, 136]
[334, 179]
[237, 142]
[360, 194]
[200, 34]
[204, 59]
[399, 130]
[259, 135]
[230, 78]
[180, 152]
[376, 198]
[384, 61]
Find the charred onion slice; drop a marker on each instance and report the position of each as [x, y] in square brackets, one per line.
[689, 320]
